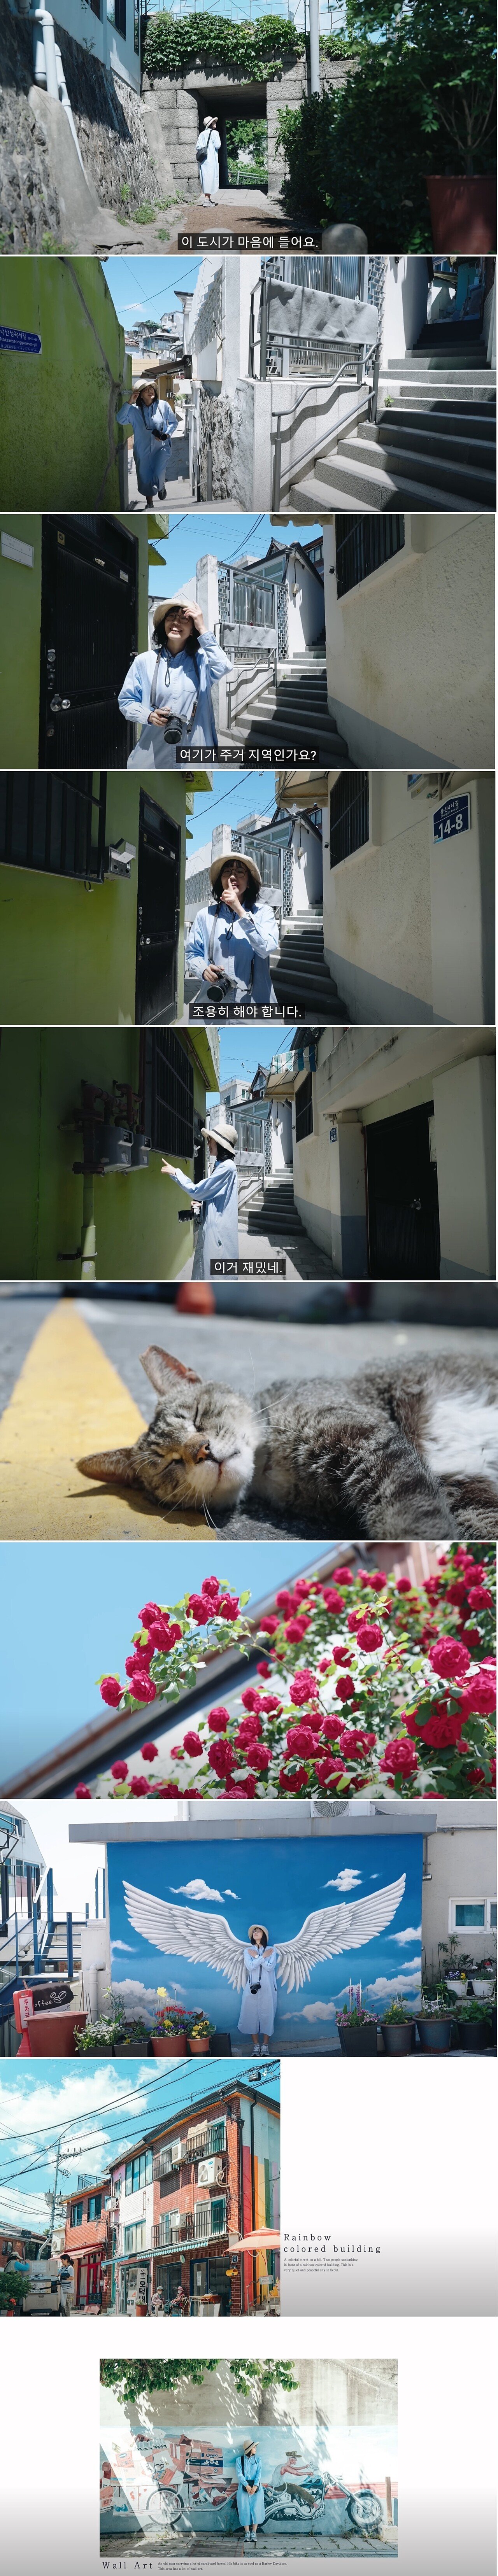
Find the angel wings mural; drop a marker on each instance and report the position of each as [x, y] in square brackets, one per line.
[207, 1939]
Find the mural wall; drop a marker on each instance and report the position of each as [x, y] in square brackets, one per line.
[334, 1909]
[314, 2482]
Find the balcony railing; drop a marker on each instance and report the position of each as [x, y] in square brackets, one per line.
[194, 2227]
[209, 2142]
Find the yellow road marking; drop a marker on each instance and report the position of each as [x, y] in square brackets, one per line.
[69, 1401]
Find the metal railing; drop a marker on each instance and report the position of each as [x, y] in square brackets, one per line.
[366, 398]
[210, 2142]
[236, 703]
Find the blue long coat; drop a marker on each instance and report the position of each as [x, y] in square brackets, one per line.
[217, 1238]
[180, 682]
[239, 946]
[150, 452]
[250, 2509]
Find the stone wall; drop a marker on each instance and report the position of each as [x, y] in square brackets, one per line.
[111, 131]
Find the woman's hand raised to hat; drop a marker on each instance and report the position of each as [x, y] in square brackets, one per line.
[198, 620]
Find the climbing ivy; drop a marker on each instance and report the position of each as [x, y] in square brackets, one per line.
[174, 46]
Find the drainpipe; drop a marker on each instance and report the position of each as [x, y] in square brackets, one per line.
[315, 48]
[253, 2215]
[49, 69]
[88, 1233]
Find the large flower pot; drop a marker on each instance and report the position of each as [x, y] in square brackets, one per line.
[140, 2309]
[361, 2042]
[52, 2034]
[398, 2038]
[131, 2048]
[475, 2035]
[174, 2046]
[463, 213]
[199, 2047]
[434, 2034]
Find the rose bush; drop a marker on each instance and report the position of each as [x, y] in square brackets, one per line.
[402, 1702]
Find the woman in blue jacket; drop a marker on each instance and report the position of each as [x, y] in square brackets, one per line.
[217, 1238]
[168, 689]
[233, 937]
[151, 422]
[250, 2492]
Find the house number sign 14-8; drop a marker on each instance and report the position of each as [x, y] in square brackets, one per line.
[451, 818]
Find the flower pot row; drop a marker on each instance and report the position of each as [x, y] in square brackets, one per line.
[437, 2034]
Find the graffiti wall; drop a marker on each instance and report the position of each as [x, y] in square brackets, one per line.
[334, 1910]
[313, 2482]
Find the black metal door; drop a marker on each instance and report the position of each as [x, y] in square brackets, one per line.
[403, 1212]
[158, 913]
[88, 638]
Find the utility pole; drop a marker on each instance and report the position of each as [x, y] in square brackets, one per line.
[54, 2194]
[314, 10]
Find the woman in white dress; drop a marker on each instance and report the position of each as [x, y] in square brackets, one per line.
[259, 2000]
[208, 166]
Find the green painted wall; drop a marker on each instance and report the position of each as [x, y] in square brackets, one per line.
[58, 438]
[41, 1197]
[20, 623]
[67, 955]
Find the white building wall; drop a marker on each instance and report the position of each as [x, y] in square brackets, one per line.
[408, 923]
[405, 305]
[307, 871]
[465, 1128]
[463, 1869]
[306, 611]
[410, 654]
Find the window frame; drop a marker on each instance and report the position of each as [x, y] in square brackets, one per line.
[365, 543]
[351, 795]
[57, 788]
[487, 1926]
[304, 1094]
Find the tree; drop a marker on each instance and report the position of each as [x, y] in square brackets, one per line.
[139, 2378]
[421, 98]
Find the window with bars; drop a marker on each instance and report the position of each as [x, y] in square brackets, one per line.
[54, 824]
[349, 815]
[304, 1109]
[362, 545]
[169, 1094]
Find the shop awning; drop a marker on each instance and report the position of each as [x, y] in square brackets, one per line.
[261, 2241]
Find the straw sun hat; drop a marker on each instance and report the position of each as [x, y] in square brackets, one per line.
[191, 607]
[222, 1135]
[258, 1927]
[218, 864]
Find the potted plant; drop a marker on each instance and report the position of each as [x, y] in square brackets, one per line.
[357, 2028]
[14, 2283]
[459, 82]
[131, 2040]
[398, 2030]
[474, 2027]
[96, 2040]
[169, 2028]
[435, 2022]
[199, 2035]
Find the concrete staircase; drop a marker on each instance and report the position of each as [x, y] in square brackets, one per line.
[272, 1212]
[295, 711]
[433, 445]
[301, 978]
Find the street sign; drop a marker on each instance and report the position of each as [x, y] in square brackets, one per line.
[34, 1999]
[451, 818]
[26, 344]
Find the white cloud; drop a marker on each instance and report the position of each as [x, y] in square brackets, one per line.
[347, 1878]
[409, 1976]
[122, 1945]
[319, 2012]
[413, 1933]
[231, 1891]
[199, 1887]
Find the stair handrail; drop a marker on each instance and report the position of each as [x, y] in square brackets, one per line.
[254, 673]
[328, 436]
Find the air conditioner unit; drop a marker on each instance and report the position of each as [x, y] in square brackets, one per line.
[211, 2170]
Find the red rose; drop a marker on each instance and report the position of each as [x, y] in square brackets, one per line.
[149, 1752]
[475, 1779]
[404, 1584]
[259, 1756]
[471, 1636]
[293, 1780]
[139, 1788]
[222, 1760]
[449, 1658]
[228, 1606]
[302, 1688]
[377, 1582]
[218, 1720]
[192, 1743]
[341, 1655]
[480, 1598]
[455, 1592]
[324, 1665]
[82, 1791]
[200, 1609]
[285, 1601]
[399, 1756]
[369, 1635]
[170, 1789]
[329, 1726]
[345, 1687]
[442, 1728]
[333, 1601]
[342, 1575]
[265, 1670]
[295, 1629]
[355, 1740]
[271, 1707]
[355, 1618]
[247, 1792]
[142, 1688]
[300, 1739]
[111, 1690]
[328, 1772]
[251, 1699]
[210, 1585]
[303, 1585]
[267, 1627]
[150, 1611]
[479, 1698]
[119, 1771]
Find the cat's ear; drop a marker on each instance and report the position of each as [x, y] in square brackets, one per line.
[159, 1366]
[112, 1466]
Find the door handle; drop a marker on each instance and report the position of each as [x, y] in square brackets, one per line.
[58, 705]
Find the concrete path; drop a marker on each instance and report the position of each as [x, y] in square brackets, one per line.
[71, 1383]
[177, 488]
[211, 2544]
[235, 211]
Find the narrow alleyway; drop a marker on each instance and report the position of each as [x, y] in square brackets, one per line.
[177, 486]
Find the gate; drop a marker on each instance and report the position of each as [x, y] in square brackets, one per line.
[158, 912]
[403, 1211]
[88, 638]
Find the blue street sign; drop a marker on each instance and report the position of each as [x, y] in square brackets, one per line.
[24, 343]
[451, 818]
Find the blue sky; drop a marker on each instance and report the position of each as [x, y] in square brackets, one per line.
[81, 1604]
[98, 2110]
[243, 1882]
[143, 289]
[227, 804]
[241, 1052]
[330, 17]
[195, 533]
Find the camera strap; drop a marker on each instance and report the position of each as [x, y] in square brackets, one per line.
[187, 728]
